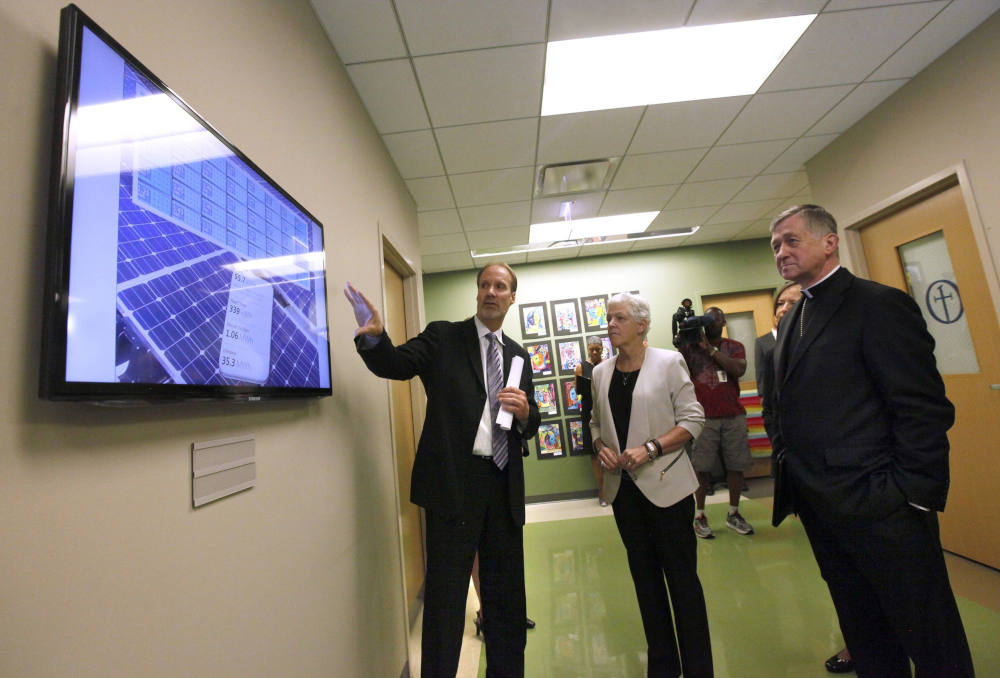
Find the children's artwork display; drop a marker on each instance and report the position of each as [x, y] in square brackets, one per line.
[533, 321]
[547, 398]
[565, 317]
[576, 446]
[570, 398]
[595, 312]
[570, 352]
[550, 440]
[540, 354]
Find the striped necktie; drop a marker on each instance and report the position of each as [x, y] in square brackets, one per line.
[494, 379]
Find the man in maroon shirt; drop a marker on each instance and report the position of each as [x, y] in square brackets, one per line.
[716, 365]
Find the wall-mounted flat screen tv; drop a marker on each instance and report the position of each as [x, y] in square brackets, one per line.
[176, 268]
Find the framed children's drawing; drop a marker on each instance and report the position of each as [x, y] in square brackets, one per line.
[595, 312]
[534, 324]
[570, 354]
[547, 398]
[550, 440]
[540, 353]
[565, 317]
[570, 398]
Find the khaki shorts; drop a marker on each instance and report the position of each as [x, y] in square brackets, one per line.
[724, 437]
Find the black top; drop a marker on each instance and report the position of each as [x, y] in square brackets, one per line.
[620, 399]
[584, 380]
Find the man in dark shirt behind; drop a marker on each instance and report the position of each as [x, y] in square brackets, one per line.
[716, 365]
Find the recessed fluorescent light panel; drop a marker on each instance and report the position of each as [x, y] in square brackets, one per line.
[618, 224]
[659, 67]
[584, 242]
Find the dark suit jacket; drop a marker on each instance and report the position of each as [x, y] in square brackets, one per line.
[763, 351]
[447, 358]
[861, 412]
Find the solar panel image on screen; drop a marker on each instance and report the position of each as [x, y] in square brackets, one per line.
[198, 245]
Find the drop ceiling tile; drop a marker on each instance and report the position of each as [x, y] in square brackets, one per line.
[453, 25]
[726, 11]
[841, 5]
[587, 18]
[795, 157]
[761, 228]
[481, 86]
[739, 160]
[845, 47]
[856, 105]
[490, 146]
[505, 215]
[389, 92]
[783, 115]
[414, 153]
[442, 244]
[685, 124]
[656, 169]
[743, 211]
[706, 193]
[586, 136]
[947, 28]
[361, 31]
[717, 233]
[438, 222]
[682, 218]
[484, 188]
[431, 193]
[584, 206]
[452, 261]
[554, 254]
[498, 237]
[773, 186]
[633, 200]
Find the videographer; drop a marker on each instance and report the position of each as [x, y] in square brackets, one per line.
[683, 312]
[716, 365]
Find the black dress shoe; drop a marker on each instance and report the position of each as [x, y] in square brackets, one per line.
[837, 665]
[529, 623]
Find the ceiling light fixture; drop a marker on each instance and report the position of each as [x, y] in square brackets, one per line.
[658, 67]
[618, 224]
[582, 242]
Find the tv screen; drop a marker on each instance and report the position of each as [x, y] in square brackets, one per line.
[176, 268]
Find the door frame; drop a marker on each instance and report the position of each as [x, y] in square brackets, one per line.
[957, 174]
[389, 255]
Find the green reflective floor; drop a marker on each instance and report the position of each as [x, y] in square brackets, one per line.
[770, 613]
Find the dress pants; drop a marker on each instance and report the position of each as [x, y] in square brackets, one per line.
[452, 541]
[661, 543]
[890, 586]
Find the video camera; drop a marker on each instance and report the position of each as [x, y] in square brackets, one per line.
[687, 326]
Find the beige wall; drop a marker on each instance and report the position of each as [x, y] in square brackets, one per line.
[105, 569]
[948, 114]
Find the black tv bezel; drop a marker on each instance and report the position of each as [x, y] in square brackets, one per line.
[55, 306]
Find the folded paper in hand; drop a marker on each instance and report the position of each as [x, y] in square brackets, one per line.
[506, 417]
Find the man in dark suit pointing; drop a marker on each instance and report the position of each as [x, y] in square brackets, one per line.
[467, 473]
[861, 419]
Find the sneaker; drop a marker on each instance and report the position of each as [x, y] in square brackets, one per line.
[702, 529]
[735, 521]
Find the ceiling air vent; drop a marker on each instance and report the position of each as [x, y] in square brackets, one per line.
[575, 177]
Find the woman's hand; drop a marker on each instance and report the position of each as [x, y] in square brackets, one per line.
[633, 457]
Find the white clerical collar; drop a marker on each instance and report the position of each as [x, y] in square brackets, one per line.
[482, 330]
[805, 290]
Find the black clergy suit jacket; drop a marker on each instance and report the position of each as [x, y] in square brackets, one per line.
[860, 408]
[446, 356]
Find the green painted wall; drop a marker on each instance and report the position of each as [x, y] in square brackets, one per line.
[664, 277]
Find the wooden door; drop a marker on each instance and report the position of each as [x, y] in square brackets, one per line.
[402, 425]
[953, 296]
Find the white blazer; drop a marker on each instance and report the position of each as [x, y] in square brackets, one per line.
[663, 398]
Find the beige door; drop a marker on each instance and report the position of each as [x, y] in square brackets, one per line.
[748, 315]
[956, 303]
[402, 425]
